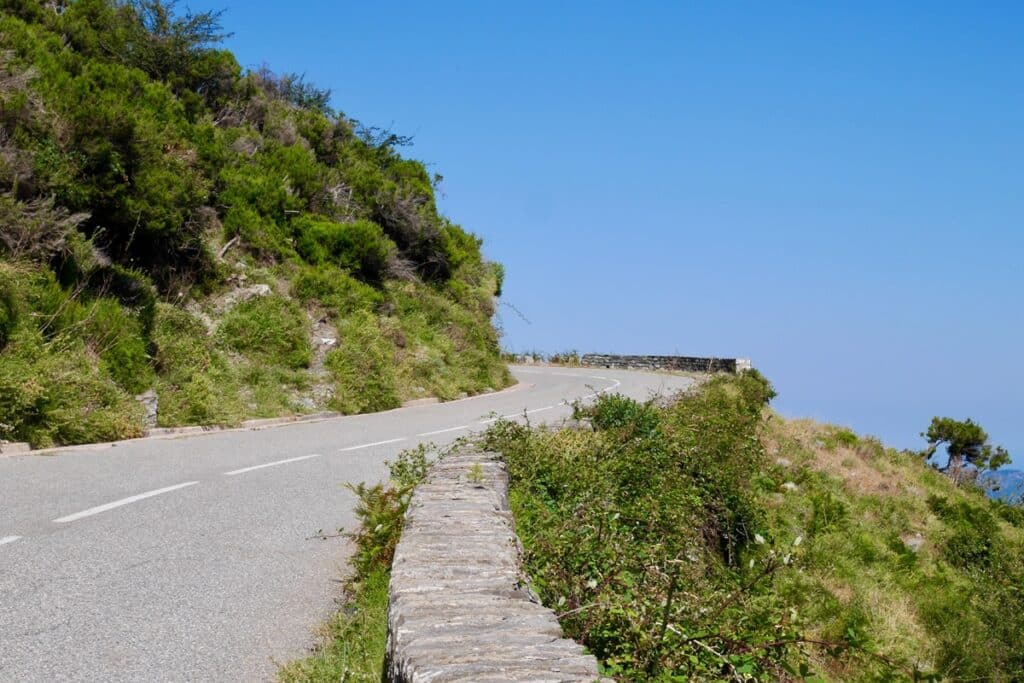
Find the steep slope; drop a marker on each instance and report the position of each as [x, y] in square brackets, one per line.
[224, 239]
[705, 538]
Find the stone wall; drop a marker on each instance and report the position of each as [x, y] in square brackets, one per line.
[678, 363]
[460, 609]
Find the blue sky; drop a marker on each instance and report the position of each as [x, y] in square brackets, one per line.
[835, 192]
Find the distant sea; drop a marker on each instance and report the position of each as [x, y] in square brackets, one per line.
[1010, 482]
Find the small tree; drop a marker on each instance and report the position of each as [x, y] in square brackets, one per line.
[966, 443]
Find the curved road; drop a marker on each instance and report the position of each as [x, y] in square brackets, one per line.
[197, 558]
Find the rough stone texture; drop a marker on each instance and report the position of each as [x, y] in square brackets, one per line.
[680, 363]
[151, 404]
[459, 607]
[14, 447]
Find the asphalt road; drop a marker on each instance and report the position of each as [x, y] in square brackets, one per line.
[197, 558]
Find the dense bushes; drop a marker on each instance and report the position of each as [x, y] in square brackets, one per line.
[362, 368]
[271, 329]
[640, 532]
[60, 361]
[135, 155]
[359, 247]
[674, 548]
[197, 384]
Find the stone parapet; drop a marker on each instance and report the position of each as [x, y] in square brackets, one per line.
[675, 363]
[460, 609]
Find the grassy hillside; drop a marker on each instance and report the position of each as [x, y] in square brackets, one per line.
[705, 538]
[169, 222]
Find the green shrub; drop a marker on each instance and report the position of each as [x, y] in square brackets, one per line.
[840, 437]
[829, 513]
[360, 247]
[8, 308]
[260, 235]
[271, 329]
[362, 367]
[973, 531]
[52, 393]
[334, 289]
[650, 521]
[131, 288]
[615, 411]
[196, 384]
[118, 339]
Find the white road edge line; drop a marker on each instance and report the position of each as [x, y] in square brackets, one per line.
[510, 416]
[370, 445]
[540, 410]
[443, 431]
[270, 464]
[118, 503]
[598, 393]
[9, 539]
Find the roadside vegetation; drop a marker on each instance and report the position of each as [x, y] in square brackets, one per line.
[172, 222]
[705, 538]
[353, 643]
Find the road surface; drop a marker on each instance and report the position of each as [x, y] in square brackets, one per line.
[198, 558]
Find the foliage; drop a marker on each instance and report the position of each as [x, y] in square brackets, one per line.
[197, 384]
[68, 363]
[362, 368]
[644, 534]
[51, 393]
[334, 289]
[966, 444]
[140, 164]
[674, 549]
[381, 508]
[270, 329]
[360, 247]
[354, 644]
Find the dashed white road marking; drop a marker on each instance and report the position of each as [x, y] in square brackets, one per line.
[270, 464]
[615, 384]
[118, 503]
[370, 445]
[540, 410]
[443, 431]
[8, 539]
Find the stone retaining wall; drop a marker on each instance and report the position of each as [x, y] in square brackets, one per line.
[459, 607]
[679, 363]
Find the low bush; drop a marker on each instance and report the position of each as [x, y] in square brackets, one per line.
[69, 362]
[118, 340]
[972, 531]
[271, 329]
[52, 393]
[362, 367]
[196, 384]
[644, 533]
[355, 640]
[360, 247]
[334, 289]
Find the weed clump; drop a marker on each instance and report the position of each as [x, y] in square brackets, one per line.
[362, 367]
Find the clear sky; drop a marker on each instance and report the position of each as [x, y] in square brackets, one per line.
[835, 192]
